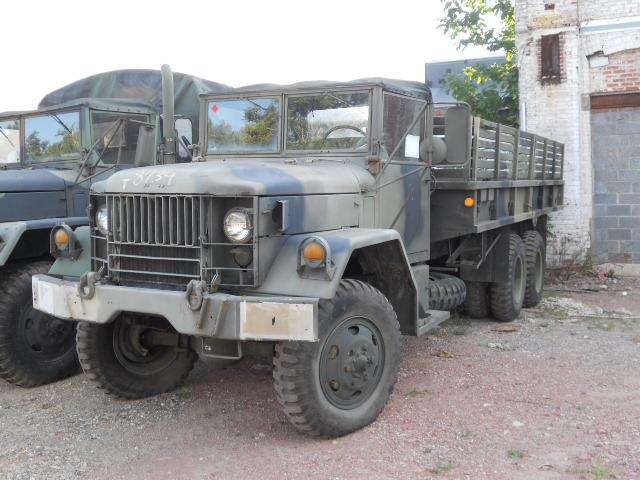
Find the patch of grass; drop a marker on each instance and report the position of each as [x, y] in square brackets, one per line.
[443, 468]
[515, 453]
[418, 393]
[600, 471]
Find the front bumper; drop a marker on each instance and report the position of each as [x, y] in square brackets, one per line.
[223, 316]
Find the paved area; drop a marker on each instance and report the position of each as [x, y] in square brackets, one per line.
[554, 395]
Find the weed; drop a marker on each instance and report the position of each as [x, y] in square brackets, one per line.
[443, 468]
[515, 453]
[419, 393]
[600, 471]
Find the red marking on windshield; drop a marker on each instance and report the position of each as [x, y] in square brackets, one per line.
[215, 108]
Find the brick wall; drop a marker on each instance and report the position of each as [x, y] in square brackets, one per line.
[620, 73]
[591, 63]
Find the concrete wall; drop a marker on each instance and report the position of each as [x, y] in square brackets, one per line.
[594, 58]
[616, 164]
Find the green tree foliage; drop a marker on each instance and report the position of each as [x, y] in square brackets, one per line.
[262, 125]
[221, 133]
[491, 24]
[39, 149]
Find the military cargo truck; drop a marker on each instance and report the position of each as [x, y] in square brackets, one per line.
[49, 158]
[321, 219]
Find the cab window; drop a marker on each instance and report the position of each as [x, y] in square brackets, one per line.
[9, 141]
[399, 115]
[115, 135]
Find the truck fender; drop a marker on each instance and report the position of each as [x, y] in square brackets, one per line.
[68, 267]
[12, 234]
[376, 256]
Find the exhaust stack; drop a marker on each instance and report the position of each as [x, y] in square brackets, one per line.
[168, 117]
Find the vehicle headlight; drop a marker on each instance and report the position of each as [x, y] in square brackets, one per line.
[237, 225]
[102, 220]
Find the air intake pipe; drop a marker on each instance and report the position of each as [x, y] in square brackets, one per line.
[168, 118]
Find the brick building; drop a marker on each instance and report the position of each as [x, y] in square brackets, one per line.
[580, 83]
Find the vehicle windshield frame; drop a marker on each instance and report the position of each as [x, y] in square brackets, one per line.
[249, 97]
[18, 145]
[75, 157]
[338, 90]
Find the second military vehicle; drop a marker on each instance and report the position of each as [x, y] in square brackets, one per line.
[49, 158]
[323, 219]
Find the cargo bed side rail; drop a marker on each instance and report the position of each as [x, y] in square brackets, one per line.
[498, 152]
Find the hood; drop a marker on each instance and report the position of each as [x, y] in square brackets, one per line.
[30, 181]
[244, 177]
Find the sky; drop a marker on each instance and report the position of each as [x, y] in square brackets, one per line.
[48, 44]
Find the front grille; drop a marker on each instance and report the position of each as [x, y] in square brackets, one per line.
[165, 241]
[156, 219]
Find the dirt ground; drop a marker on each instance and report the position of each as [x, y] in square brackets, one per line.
[556, 397]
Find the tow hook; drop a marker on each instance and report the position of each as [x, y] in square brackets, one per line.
[87, 285]
[194, 295]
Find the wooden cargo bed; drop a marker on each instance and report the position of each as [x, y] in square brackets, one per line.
[510, 175]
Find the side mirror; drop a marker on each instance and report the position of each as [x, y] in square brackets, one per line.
[184, 128]
[458, 134]
[146, 146]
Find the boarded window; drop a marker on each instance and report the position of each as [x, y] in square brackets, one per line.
[550, 57]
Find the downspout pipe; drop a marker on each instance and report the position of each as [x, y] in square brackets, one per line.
[168, 116]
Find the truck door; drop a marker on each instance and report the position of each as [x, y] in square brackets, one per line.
[404, 181]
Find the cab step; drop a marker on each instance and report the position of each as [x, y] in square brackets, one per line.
[431, 321]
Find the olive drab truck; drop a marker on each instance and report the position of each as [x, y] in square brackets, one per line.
[49, 157]
[322, 219]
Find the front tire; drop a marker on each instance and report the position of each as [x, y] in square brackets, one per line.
[507, 297]
[342, 382]
[35, 348]
[114, 356]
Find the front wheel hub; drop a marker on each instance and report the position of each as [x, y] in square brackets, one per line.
[45, 335]
[351, 362]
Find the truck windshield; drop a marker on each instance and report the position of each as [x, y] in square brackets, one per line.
[9, 141]
[52, 136]
[328, 121]
[246, 125]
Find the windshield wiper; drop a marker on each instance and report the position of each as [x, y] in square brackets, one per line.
[254, 103]
[344, 102]
[60, 122]
[7, 137]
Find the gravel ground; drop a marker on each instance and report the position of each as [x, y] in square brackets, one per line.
[557, 397]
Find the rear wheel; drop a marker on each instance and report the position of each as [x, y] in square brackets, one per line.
[507, 297]
[342, 382]
[535, 252]
[127, 359]
[35, 348]
[476, 305]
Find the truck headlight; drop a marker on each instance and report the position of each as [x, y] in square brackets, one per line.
[102, 220]
[237, 225]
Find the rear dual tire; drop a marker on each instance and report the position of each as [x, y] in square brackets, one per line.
[506, 298]
[535, 251]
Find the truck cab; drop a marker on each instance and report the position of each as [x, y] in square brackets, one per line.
[306, 223]
[49, 158]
